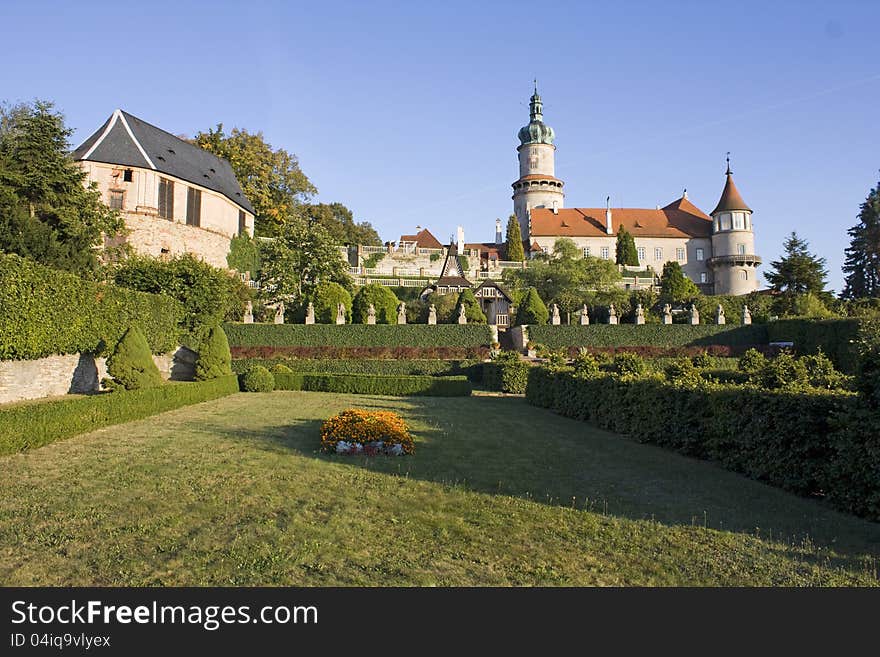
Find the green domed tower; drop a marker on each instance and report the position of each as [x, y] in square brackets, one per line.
[538, 186]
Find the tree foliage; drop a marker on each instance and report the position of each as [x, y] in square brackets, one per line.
[47, 213]
[131, 364]
[384, 303]
[340, 225]
[244, 255]
[862, 265]
[675, 287]
[270, 178]
[531, 309]
[326, 297]
[798, 271]
[626, 253]
[472, 310]
[515, 250]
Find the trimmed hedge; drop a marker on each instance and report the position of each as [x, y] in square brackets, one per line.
[45, 312]
[835, 337]
[374, 353]
[373, 384]
[792, 440]
[648, 335]
[507, 375]
[37, 423]
[355, 335]
[423, 367]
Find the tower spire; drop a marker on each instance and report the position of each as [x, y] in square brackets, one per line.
[728, 164]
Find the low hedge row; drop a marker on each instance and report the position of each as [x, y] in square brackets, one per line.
[835, 337]
[34, 424]
[348, 353]
[421, 367]
[656, 335]
[717, 351]
[44, 311]
[356, 335]
[373, 384]
[796, 441]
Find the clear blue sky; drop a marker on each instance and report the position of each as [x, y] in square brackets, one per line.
[407, 112]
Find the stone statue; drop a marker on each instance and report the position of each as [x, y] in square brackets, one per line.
[432, 315]
[555, 320]
[667, 314]
[719, 315]
[694, 314]
[310, 313]
[248, 313]
[371, 314]
[462, 318]
[746, 315]
[612, 314]
[279, 313]
[585, 316]
[340, 313]
[640, 314]
[401, 313]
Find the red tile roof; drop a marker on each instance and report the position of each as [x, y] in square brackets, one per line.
[539, 176]
[423, 239]
[681, 218]
[730, 198]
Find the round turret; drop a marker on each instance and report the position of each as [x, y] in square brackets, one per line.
[536, 132]
[734, 261]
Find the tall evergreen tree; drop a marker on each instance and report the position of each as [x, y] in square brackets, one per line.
[674, 285]
[799, 271]
[626, 253]
[515, 250]
[862, 265]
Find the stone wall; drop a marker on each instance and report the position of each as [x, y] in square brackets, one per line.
[76, 373]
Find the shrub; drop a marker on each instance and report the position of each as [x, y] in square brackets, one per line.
[214, 359]
[783, 371]
[702, 360]
[257, 379]
[868, 368]
[131, 364]
[752, 362]
[48, 421]
[48, 312]
[682, 371]
[376, 384]
[327, 297]
[506, 373]
[364, 427]
[586, 365]
[319, 335]
[627, 364]
[472, 310]
[384, 302]
[821, 372]
[531, 310]
[279, 368]
[649, 335]
[838, 338]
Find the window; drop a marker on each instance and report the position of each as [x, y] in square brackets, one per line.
[741, 249]
[658, 253]
[738, 221]
[127, 175]
[605, 253]
[193, 206]
[704, 277]
[700, 255]
[679, 254]
[117, 199]
[242, 224]
[743, 275]
[725, 222]
[586, 252]
[166, 199]
[641, 254]
[748, 221]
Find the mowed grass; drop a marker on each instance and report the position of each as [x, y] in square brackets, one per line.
[236, 492]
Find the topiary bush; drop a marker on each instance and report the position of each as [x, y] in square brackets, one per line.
[752, 362]
[131, 365]
[384, 302]
[214, 358]
[472, 310]
[257, 379]
[280, 368]
[327, 297]
[531, 310]
[506, 373]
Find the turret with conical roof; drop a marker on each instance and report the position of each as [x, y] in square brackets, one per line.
[734, 261]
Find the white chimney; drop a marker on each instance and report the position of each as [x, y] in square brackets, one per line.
[498, 239]
[459, 235]
[555, 207]
[609, 229]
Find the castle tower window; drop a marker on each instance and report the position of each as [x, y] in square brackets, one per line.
[117, 199]
[166, 199]
[741, 249]
[127, 175]
[700, 254]
[193, 206]
[658, 253]
[743, 275]
[704, 277]
[738, 221]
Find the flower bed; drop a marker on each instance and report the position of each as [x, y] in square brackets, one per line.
[358, 431]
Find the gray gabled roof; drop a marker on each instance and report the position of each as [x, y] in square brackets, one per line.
[127, 141]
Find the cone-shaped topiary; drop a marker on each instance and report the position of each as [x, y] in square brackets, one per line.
[214, 358]
[531, 309]
[327, 297]
[384, 302]
[131, 364]
[472, 309]
[258, 379]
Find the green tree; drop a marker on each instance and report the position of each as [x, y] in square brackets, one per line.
[270, 178]
[339, 223]
[798, 271]
[244, 255]
[626, 253]
[384, 303]
[862, 265]
[47, 213]
[215, 359]
[131, 364]
[565, 249]
[515, 250]
[531, 309]
[675, 286]
[472, 310]
[327, 296]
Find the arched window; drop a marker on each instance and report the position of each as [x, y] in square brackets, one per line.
[743, 275]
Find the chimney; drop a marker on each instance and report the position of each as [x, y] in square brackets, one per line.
[555, 207]
[609, 229]
[459, 234]
[498, 239]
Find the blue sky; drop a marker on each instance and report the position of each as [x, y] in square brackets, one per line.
[407, 112]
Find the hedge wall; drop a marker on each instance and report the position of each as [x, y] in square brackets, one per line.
[37, 423]
[506, 376]
[373, 384]
[354, 335]
[44, 312]
[790, 440]
[835, 337]
[421, 367]
[657, 335]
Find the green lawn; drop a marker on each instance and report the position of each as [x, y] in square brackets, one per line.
[235, 492]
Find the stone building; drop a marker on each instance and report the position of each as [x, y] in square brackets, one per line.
[175, 197]
[717, 252]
